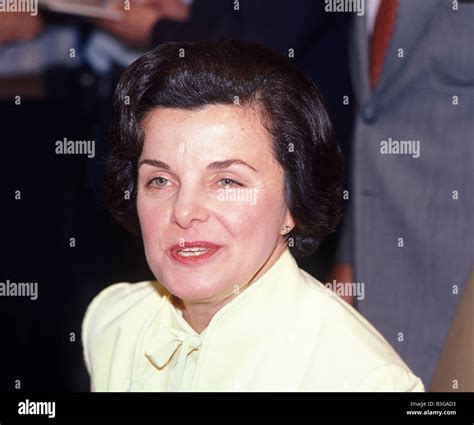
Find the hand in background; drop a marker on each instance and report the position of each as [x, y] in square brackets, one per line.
[175, 10]
[18, 27]
[135, 27]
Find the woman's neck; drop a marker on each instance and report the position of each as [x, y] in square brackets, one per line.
[200, 313]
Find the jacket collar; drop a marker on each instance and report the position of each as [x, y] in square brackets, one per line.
[169, 339]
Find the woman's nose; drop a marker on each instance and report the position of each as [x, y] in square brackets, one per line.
[190, 206]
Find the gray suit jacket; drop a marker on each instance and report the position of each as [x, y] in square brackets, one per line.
[409, 228]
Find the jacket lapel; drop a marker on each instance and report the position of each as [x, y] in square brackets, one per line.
[412, 19]
[359, 59]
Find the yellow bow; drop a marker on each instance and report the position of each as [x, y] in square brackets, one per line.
[172, 348]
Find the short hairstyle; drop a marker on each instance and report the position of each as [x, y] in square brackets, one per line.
[193, 75]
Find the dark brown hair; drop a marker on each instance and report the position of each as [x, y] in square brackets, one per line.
[193, 75]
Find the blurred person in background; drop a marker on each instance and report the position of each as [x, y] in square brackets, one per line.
[57, 73]
[409, 232]
[19, 27]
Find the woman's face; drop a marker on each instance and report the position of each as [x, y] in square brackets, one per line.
[210, 200]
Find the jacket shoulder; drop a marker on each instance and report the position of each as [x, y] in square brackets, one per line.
[114, 303]
[365, 359]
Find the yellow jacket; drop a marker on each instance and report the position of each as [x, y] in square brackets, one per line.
[285, 332]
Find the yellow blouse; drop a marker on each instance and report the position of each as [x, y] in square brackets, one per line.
[285, 332]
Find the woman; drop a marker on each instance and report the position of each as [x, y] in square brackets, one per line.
[222, 157]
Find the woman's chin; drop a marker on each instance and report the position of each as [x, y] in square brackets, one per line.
[188, 291]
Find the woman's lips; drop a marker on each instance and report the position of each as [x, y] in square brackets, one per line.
[193, 252]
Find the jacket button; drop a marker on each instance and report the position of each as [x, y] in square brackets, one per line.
[369, 114]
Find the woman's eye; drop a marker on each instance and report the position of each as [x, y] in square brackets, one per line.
[229, 183]
[159, 182]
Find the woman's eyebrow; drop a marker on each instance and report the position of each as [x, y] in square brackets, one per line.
[219, 165]
[155, 163]
[216, 165]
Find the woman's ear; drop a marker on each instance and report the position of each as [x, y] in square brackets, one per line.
[289, 221]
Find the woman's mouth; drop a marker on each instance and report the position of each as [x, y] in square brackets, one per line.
[190, 252]
[193, 252]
